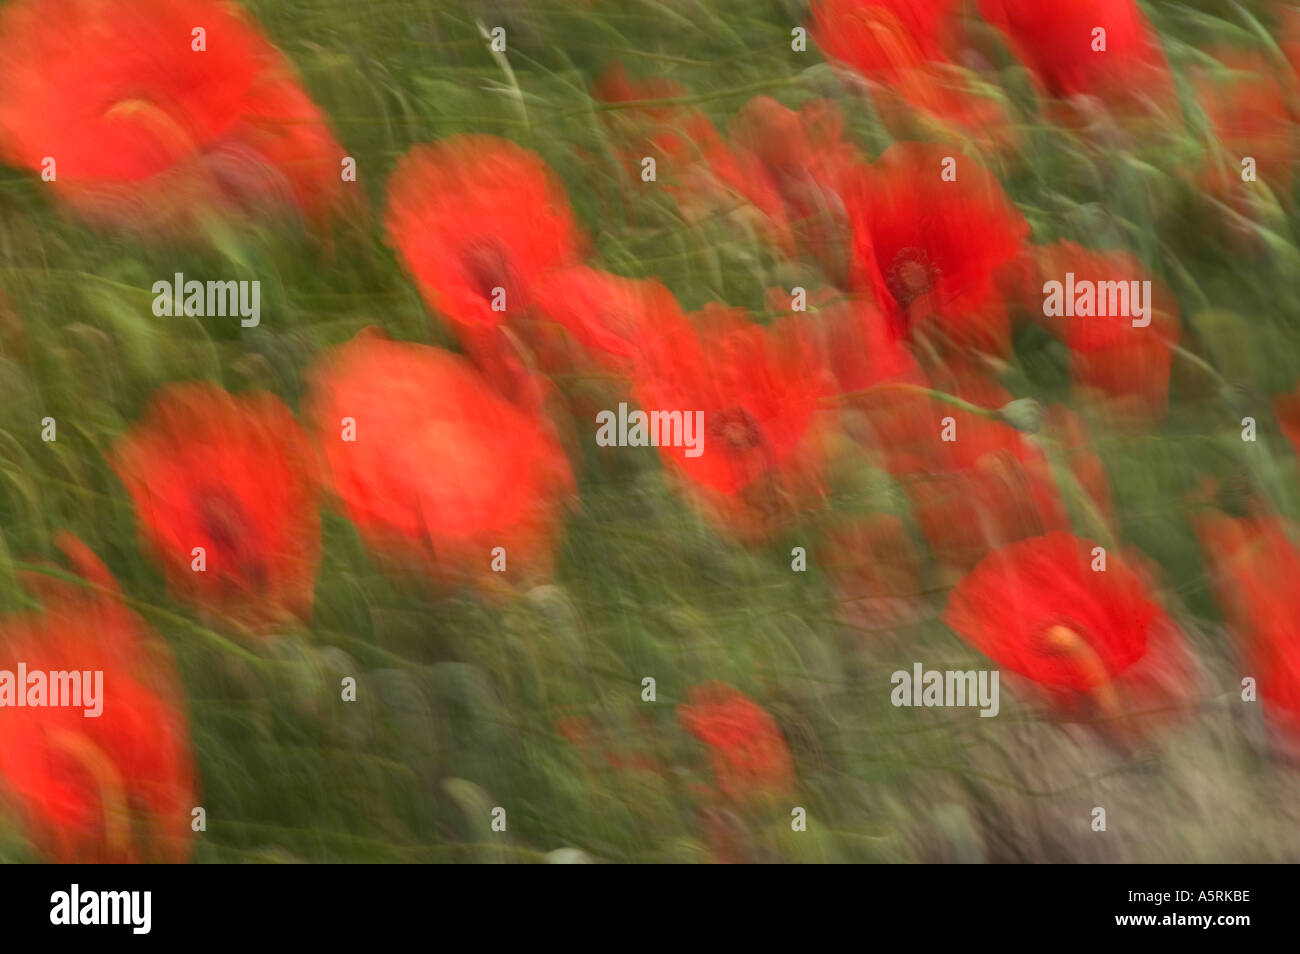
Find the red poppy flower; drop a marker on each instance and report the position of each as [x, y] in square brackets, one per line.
[1127, 365]
[931, 249]
[1249, 558]
[113, 788]
[430, 463]
[591, 329]
[584, 329]
[749, 754]
[788, 164]
[758, 390]
[1092, 641]
[855, 340]
[688, 150]
[1287, 408]
[884, 39]
[143, 128]
[615, 86]
[235, 477]
[999, 498]
[1255, 569]
[611, 745]
[472, 214]
[919, 443]
[793, 151]
[988, 486]
[905, 51]
[1247, 108]
[608, 314]
[1056, 41]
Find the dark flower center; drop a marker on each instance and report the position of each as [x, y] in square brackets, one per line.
[911, 275]
[735, 427]
[487, 267]
[227, 525]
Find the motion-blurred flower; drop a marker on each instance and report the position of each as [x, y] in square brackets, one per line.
[987, 486]
[437, 467]
[1059, 43]
[1246, 104]
[687, 148]
[907, 52]
[610, 316]
[1126, 365]
[144, 129]
[114, 788]
[236, 477]
[1287, 408]
[788, 164]
[758, 389]
[931, 249]
[471, 214]
[1255, 569]
[749, 754]
[1092, 641]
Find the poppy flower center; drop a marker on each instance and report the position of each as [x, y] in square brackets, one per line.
[228, 526]
[911, 275]
[487, 267]
[1067, 643]
[736, 427]
[1060, 640]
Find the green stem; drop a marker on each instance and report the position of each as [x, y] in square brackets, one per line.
[147, 608]
[988, 412]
